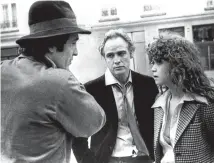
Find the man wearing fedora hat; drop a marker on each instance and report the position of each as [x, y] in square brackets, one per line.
[43, 105]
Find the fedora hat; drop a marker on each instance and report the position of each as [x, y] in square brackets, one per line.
[51, 18]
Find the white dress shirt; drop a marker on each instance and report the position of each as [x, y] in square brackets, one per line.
[124, 144]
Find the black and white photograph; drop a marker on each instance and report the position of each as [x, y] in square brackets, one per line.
[107, 81]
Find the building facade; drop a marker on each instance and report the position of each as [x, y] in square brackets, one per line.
[13, 20]
[142, 26]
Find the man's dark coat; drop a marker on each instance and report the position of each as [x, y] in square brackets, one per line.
[103, 142]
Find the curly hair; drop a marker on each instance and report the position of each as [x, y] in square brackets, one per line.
[114, 33]
[185, 68]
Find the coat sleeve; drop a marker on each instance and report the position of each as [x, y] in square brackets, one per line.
[77, 111]
[80, 145]
[82, 152]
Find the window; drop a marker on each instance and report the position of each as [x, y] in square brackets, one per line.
[113, 11]
[109, 14]
[8, 16]
[203, 37]
[104, 12]
[14, 14]
[5, 22]
[9, 52]
[109, 11]
[210, 5]
[151, 10]
[203, 33]
[179, 30]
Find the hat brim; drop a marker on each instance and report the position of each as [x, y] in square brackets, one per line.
[52, 33]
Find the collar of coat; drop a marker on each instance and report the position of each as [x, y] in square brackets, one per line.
[110, 79]
[161, 100]
[186, 115]
[48, 62]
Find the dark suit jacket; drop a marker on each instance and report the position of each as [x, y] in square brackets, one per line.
[102, 143]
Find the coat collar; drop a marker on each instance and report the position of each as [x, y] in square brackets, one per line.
[187, 112]
[161, 100]
[110, 79]
[47, 61]
[50, 62]
[158, 114]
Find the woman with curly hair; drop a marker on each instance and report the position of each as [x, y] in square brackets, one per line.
[184, 113]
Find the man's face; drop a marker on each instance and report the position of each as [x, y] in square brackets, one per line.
[117, 57]
[63, 59]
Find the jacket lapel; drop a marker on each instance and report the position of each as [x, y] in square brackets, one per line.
[158, 114]
[109, 99]
[138, 93]
[187, 112]
[109, 102]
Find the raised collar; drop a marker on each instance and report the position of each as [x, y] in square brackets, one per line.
[161, 100]
[110, 79]
[49, 63]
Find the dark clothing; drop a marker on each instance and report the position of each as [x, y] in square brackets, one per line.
[42, 109]
[139, 159]
[102, 143]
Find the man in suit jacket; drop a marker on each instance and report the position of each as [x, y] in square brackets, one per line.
[123, 94]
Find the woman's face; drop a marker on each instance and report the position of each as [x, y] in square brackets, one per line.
[160, 72]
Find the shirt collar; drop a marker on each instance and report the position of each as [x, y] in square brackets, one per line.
[51, 62]
[110, 79]
[161, 100]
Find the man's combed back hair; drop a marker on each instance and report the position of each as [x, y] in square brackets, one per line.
[114, 33]
[186, 70]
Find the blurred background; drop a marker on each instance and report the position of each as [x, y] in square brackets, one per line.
[142, 19]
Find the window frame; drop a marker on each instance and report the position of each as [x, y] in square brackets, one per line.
[9, 21]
